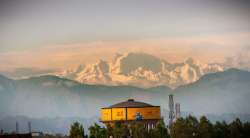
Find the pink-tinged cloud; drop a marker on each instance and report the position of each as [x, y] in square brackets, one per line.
[210, 48]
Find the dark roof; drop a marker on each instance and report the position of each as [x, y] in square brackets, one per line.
[130, 103]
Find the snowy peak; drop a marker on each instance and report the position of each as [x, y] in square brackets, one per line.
[129, 62]
[97, 73]
[141, 70]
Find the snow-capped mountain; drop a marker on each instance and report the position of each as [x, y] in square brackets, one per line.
[141, 70]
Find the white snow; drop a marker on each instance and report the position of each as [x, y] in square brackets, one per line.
[141, 70]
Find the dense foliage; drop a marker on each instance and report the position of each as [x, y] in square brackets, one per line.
[76, 130]
[133, 130]
[189, 127]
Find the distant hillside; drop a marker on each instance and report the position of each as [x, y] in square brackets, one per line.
[222, 92]
[54, 96]
[51, 96]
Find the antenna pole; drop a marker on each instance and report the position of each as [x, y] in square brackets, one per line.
[171, 109]
[17, 127]
[29, 126]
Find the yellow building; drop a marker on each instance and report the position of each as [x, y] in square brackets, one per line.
[131, 110]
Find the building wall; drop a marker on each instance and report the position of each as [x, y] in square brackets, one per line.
[118, 113]
[108, 114]
[147, 113]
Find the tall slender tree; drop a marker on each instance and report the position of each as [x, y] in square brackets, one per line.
[97, 131]
[161, 131]
[236, 129]
[221, 130]
[76, 130]
[205, 129]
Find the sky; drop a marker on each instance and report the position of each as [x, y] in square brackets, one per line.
[58, 34]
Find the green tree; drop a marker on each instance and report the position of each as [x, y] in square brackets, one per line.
[125, 132]
[179, 129]
[160, 131]
[236, 129]
[246, 130]
[192, 124]
[120, 130]
[76, 130]
[185, 128]
[205, 129]
[110, 131]
[97, 131]
[138, 130]
[117, 130]
[221, 130]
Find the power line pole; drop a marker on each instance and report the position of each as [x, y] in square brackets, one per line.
[171, 109]
[17, 127]
[177, 110]
[29, 126]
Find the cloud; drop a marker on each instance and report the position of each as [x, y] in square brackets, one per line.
[209, 48]
[26, 72]
[240, 60]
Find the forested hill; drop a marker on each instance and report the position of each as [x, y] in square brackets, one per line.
[51, 96]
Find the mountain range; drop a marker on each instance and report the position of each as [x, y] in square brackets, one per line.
[51, 96]
[201, 89]
[140, 70]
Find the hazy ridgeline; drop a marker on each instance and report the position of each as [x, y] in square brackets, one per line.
[223, 95]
